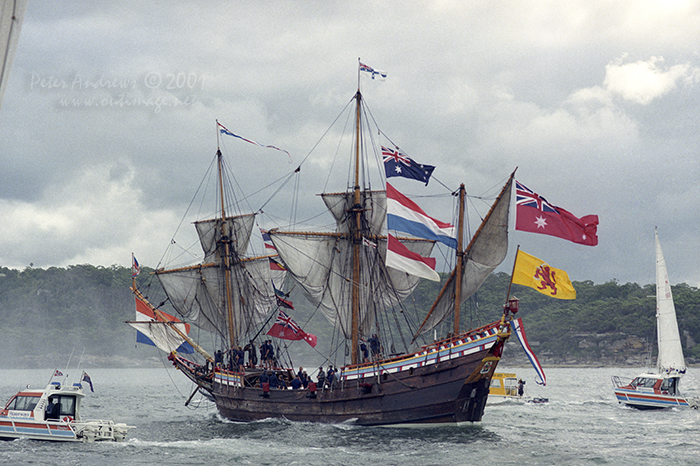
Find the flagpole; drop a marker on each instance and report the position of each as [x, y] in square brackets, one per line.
[65, 376]
[512, 273]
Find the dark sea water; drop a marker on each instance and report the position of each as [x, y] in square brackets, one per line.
[582, 424]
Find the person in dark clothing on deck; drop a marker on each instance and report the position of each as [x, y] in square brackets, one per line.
[330, 376]
[252, 353]
[365, 353]
[240, 358]
[271, 354]
[264, 355]
[376, 347]
[321, 377]
[274, 381]
[264, 379]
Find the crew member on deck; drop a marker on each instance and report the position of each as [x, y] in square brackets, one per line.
[376, 347]
[252, 354]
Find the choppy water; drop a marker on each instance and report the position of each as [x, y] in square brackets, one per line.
[581, 425]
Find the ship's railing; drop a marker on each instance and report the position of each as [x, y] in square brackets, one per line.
[617, 383]
[433, 353]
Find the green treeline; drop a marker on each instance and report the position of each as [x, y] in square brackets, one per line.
[82, 308]
[609, 322]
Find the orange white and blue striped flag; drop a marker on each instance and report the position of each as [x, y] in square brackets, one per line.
[517, 327]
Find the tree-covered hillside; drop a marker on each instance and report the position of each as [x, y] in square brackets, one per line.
[47, 314]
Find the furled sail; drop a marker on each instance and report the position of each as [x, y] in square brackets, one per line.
[670, 359]
[373, 205]
[238, 228]
[485, 252]
[198, 293]
[322, 262]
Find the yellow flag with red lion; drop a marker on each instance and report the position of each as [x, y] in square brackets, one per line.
[535, 273]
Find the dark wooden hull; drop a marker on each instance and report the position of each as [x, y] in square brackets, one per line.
[453, 391]
[446, 382]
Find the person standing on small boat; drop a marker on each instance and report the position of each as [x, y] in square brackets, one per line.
[521, 387]
[52, 410]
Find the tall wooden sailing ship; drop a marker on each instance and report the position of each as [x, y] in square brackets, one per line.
[231, 295]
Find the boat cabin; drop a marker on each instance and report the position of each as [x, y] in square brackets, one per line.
[651, 383]
[503, 384]
[53, 403]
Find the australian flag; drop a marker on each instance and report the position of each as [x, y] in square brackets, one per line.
[398, 164]
[86, 378]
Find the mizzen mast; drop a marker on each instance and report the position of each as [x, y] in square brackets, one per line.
[460, 256]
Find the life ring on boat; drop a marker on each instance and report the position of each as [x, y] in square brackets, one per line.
[67, 419]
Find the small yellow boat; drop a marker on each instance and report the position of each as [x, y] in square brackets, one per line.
[503, 386]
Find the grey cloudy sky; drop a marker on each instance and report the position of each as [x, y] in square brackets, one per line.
[108, 122]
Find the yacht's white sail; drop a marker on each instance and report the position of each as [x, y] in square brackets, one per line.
[670, 360]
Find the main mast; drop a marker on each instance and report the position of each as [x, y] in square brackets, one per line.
[227, 254]
[356, 239]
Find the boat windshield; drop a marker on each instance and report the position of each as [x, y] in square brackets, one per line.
[24, 402]
[643, 382]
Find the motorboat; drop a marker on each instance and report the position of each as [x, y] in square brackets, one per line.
[53, 414]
